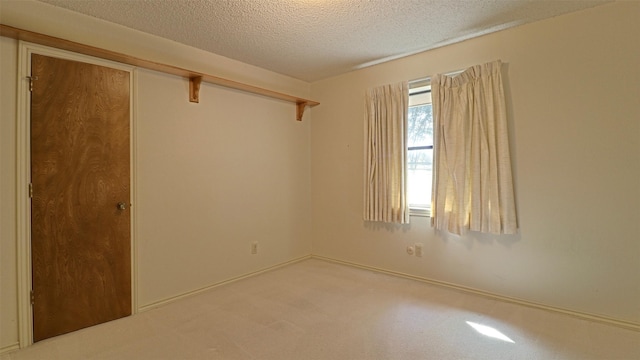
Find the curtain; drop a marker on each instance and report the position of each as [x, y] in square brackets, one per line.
[386, 109]
[472, 181]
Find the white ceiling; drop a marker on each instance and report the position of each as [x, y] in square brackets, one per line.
[315, 39]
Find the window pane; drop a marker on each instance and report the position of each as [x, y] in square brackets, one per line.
[419, 165]
[420, 126]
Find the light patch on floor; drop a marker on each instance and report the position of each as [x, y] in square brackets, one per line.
[489, 331]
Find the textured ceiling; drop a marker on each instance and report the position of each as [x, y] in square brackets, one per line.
[315, 39]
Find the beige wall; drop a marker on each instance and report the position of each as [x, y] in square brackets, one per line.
[8, 281]
[210, 178]
[574, 82]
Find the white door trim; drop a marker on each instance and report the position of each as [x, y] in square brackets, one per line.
[23, 160]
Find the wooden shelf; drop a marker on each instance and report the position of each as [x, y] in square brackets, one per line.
[195, 78]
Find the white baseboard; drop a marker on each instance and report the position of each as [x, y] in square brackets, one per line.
[156, 304]
[592, 317]
[9, 348]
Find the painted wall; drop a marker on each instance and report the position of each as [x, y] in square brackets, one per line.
[573, 82]
[8, 281]
[211, 178]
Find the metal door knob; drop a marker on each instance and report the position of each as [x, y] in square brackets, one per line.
[122, 206]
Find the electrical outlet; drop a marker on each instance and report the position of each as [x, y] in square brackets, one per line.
[254, 247]
[410, 250]
[418, 247]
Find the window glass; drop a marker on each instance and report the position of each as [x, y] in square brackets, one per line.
[419, 150]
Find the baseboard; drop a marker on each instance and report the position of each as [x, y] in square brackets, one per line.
[592, 317]
[224, 282]
[9, 348]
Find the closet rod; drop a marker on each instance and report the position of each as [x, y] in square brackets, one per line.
[194, 77]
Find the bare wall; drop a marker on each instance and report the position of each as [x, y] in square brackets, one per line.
[214, 177]
[8, 284]
[573, 82]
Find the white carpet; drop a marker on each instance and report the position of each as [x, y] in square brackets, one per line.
[320, 310]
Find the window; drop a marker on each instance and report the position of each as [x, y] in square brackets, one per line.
[419, 151]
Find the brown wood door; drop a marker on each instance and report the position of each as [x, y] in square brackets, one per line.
[80, 239]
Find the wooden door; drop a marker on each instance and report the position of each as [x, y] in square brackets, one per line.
[80, 239]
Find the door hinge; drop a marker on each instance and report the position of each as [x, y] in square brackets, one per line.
[30, 190]
[31, 79]
[33, 298]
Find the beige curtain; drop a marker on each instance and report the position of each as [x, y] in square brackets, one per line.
[385, 154]
[472, 184]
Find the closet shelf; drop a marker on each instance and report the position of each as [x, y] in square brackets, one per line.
[195, 78]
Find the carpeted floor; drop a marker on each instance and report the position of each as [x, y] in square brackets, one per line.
[319, 310]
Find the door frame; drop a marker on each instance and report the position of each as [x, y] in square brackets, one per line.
[23, 170]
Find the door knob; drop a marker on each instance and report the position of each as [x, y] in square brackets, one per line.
[122, 206]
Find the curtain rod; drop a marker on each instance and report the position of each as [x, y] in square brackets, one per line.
[427, 80]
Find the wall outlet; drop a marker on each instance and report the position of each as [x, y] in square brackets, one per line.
[254, 247]
[418, 247]
[410, 250]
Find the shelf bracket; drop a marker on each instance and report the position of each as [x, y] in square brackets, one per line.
[194, 88]
[300, 106]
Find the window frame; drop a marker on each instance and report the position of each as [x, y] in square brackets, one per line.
[419, 94]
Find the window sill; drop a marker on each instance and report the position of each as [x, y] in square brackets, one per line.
[421, 212]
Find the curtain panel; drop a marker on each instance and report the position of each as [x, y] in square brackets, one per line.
[472, 181]
[386, 110]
